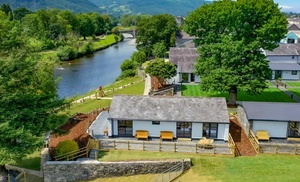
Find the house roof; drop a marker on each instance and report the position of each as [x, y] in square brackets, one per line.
[284, 66]
[272, 111]
[293, 27]
[184, 58]
[165, 108]
[285, 50]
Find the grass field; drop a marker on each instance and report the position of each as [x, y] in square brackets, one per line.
[32, 161]
[90, 104]
[295, 91]
[269, 95]
[264, 168]
[293, 84]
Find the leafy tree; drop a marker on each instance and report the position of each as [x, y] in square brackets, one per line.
[139, 57]
[19, 13]
[115, 30]
[29, 105]
[154, 29]
[128, 65]
[85, 27]
[159, 50]
[7, 10]
[231, 35]
[161, 69]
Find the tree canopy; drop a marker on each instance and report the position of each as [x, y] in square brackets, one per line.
[231, 36]
[155, 29]
[161, 70]
[28, 95]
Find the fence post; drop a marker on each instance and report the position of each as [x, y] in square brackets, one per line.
[295, 149]
[214, 149]
[115, 144]
[174, 147]
[276, 149]
[196, 147]
[128, 145]
[143, 146]
[99, 144]
[182, 166]
[159, 146]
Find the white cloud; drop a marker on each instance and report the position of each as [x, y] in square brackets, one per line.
[285, 7]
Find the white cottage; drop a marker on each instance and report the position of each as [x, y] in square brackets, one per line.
[284, 61]
[184, 59]
[186, 117]
[281, 120]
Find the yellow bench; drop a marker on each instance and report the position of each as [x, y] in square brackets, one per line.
[206, 143]
[166, 135]
[141, 134]
[293, 139]
[262, 135]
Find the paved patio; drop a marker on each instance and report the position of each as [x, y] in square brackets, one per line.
[99, 126]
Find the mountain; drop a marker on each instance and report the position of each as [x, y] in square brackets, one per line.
[174, 7]
[76, 6]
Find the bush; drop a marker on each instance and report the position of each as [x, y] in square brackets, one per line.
[66, 53]
[65, 147]
[88, 49]
[126, 74]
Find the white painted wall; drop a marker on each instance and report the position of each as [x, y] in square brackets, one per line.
[287, 75]
[110, 127]
[223, 130]
[115, 127]
[274, 128]
[154, 130]
[283, 59]
[197, 78]
[197, 130]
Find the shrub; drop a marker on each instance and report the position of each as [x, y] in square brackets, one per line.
[126, 74]
[66, 53]
[65, 147]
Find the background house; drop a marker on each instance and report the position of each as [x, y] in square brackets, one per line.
[284, 61]
[281, 120]
[186, 117]
[184, 59]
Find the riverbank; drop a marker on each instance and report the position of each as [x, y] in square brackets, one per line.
[86, 47]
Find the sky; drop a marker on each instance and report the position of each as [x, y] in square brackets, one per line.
[286, 5]
[289, 5]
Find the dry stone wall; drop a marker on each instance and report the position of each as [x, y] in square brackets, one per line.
[55, 171]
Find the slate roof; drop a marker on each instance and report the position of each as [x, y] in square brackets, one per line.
[272, 111]
[164, 108]
[285, 50]
[284, 66]
[184, 58]
[292, 27]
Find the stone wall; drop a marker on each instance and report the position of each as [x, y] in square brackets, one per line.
[57, 171]
[243, 120]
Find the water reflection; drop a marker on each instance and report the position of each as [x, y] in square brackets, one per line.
[88, 73]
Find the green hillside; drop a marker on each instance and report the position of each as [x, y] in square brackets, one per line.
[73, 5]
[174, 7]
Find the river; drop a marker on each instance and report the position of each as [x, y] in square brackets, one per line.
[82, 75]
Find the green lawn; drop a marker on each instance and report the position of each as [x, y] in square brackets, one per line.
[31, 161]
[269, 95]
[293, 84]
[267, 168]
[295, 91]
[90, 104]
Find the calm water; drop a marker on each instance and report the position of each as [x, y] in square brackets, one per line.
[83, 75]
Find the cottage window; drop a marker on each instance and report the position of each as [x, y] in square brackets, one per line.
[294, 72]
[155, 122]
[184, 129]
[294, 129]
[125, 127]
